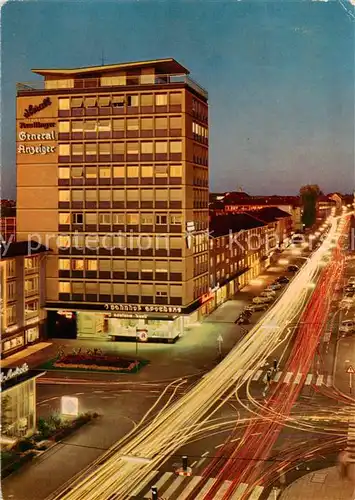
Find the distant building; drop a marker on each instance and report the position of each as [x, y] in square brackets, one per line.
[8, 229]
[22, 283]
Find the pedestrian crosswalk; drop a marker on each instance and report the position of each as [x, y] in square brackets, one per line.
[174, 487]
[285, 377]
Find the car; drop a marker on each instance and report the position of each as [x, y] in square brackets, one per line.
[282, 279]
[268, 293]
[292, 268]
[347, 326]
[351, 280]
[349, 289]
[262, 300]
[247, 311]
[258, 307]
[242, 320]
[275, 286]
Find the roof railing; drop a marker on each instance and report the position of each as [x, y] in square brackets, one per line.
[106, 82]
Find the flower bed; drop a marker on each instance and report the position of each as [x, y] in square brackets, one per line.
[95, 363]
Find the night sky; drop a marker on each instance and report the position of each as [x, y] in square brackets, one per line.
[280, 77]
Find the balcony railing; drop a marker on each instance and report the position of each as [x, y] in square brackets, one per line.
[104, 82]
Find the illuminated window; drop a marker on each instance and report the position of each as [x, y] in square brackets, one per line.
[146, 147]
[132, 219]
[132, 148]
[147, 100]
[11, 290]
[132, 124]
[108, 81]
[132, 101]
[63, 241]
[104, 125]
[90, 172]
[64, 264]
[161, 123]
[161, 147]
[118, 124]
[64, 218]
[11, 315]
[175, 98]
[104, 172]
[147, 219]
[64, 287]
[31, 308]
[105, 219]
[118, 101]
[63, 103]
[175, 219]
[147, 124]
[78, 264]
[104, 148]
[90, 148]
[175, 171]
[118, 218]
[161, 99]
[77, 126]
[118, 172]
[132, 171]
[64, 149]
[63, 173]
[147, 171]
[64, 127]
[64, 195]
[91, 265]
[175, 147]
[77, 149]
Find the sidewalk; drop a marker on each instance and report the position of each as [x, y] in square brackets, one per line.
[324, 484]
[16, 358]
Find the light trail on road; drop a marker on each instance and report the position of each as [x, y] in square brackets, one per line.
[118, 478]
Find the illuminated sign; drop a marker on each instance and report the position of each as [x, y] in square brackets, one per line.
[127, 316]
[37, 125]
[14, 372]
[138, 308]
[34, 150]
[190, 226]
[206, 297]
[32, 110]
[45, 136]
[70, 406]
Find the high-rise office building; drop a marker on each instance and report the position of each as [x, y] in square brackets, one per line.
[112, 175]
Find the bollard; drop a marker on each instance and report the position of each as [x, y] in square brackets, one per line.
[154, 491]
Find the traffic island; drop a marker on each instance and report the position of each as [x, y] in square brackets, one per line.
[95, 363]
[49, 432]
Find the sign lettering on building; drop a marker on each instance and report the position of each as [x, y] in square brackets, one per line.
[35, 150]
[14, 372]
[46, 136]
[32, 110]
[138, 308]
[44, 125]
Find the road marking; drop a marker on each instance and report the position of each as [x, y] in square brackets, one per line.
[205, 489]
[308, 379]
[257, 491]
[239, 492]
[320, 380]
[288, 377]
[79, 393]
[98, 392]
[237, 375]
[222, 490]
[257, 375]
[148, 480]
[193, 463]
[164, 479]
[205, 454]
[274, 495]
[248, 374]
[329, 381]
[173, 487]
[277, 376]
[190, 487]
[298, 378]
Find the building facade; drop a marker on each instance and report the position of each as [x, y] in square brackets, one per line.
[22, 275]
[112, 175]
[8, 229]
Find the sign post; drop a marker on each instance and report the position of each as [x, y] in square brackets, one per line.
[350, 370]
[220, 342]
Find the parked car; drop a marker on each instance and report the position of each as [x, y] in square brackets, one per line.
[258, 307]
[347, 326]
[267, 293]
[275, 286]
[242, 320]
[282, 279]
[262, 300]
[247, 311]
[292, 268]
[351, 280]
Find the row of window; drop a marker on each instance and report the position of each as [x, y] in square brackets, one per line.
[119, 218]
[122, 124]
[120, 172]
[121, 265]
[199, 110]
[120, 148]
[129, 100]
[31, 310]
[200, 133]
[157, 194]
[95, 288]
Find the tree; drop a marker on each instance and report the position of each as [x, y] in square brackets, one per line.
[309, 195]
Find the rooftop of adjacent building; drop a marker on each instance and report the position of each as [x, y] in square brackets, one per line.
[139, 73]
[21, 248]
[242, 198]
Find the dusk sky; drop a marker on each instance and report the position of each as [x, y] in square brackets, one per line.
[280, 77]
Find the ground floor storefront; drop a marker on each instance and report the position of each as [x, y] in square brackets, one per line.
[20, 338]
